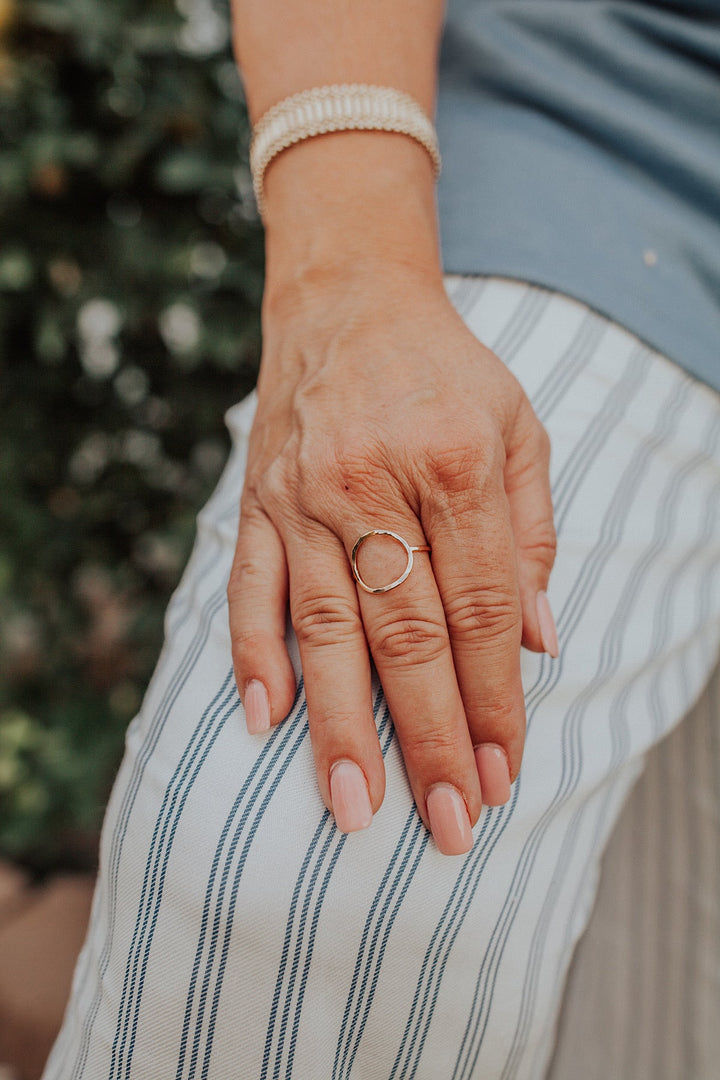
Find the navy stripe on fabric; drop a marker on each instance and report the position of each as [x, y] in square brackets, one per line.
[191, 586]
[444, 936]
[230, 918]
[175, 686]
[180, 617]
[464, 293]
[612, 412]
[313, 858]
[174, 689]
[271, 764]
[520, 325]
[297, 929]
[171, 809]
[392, 891]
[385, 734]
[571, 362]
[704, 600]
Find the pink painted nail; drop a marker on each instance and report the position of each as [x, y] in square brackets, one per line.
[449, 819]
[350, 797]
[257, 708]
[494, 774]
[548, 631]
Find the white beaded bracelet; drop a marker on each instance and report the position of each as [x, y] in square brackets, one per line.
[350, 106]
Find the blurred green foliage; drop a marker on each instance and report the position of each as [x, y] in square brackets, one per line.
[130, 280]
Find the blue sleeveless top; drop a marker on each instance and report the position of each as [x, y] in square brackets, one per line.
[581, 152]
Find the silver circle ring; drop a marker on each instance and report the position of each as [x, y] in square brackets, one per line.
[409, 551]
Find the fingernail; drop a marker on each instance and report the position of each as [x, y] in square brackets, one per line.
[257, 708]
[548, 631]
[350, 797]
[449, 820]
[494, 774]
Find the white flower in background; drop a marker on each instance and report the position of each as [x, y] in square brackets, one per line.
[206, 31]
[207, 260]
[98, 319]
[179, 326]
[98, 322]
[157, 554]
[90, 458]
[100, 357]
[141, 448]
[132, 385]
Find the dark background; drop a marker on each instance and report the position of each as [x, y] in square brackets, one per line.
[130, 282]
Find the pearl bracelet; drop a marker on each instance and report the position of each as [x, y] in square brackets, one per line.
[351, 106]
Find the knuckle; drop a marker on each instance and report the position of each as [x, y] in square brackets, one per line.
[314, 461]
[328, 475]
[410, 637]
[245, 645]
[531, 443]
[246, 590]
[493, 616]
[432, 744]
[332, 723]
[500, 719]
[271, 486]
[324, 620]
[541, 546]
[246, 572]
[454, 467]
[359, 472]
[465, 471]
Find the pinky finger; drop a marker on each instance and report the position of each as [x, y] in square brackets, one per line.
[257, 603]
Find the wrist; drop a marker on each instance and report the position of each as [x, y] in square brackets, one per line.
[350, 197]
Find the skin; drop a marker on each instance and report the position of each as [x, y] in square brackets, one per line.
[378, 408]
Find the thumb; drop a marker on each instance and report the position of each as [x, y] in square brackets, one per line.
[527, 486]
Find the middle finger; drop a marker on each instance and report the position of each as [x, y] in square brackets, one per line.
[408, 638]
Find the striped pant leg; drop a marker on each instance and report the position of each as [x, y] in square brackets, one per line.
[642, 997]
[236, 933]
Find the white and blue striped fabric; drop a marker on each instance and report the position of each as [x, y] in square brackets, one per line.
[237, 934]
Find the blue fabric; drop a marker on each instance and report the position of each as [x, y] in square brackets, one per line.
[581, 152]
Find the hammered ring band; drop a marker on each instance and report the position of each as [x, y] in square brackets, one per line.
[409, 551]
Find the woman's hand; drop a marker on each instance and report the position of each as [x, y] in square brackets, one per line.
[378, 409]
